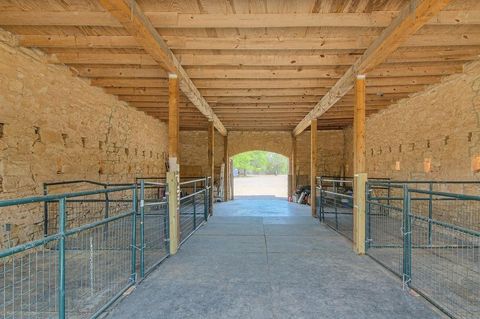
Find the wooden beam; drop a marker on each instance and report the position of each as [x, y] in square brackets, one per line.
[426, 69]
[131, 17]
[260, 59]
[173, 122]
[173, 164]
[411, 18]
[226, 173]
[376, 19]
[359, 169]
[241, 43]
[211, 162]
[313, 166]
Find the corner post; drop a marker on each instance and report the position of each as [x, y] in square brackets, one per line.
[313, 166]
[360, 176]
[173, 175]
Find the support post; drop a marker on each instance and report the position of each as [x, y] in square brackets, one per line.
[211, 161]
[173, 210]
[226, 172]
[313, 167]
[173, 175]
[360, 177]
[293, 171]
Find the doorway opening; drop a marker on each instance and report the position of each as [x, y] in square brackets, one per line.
[260, 174]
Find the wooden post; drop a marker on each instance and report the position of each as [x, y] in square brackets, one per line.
[226, 173]
[360, 175]
[211, 161]
[173, 175]
[293, 167]
[313, 166]
[232, 192]
[173, 210]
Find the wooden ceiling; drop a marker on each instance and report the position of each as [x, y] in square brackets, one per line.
[260, 65]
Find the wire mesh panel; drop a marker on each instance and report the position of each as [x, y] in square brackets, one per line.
[336, 204]
[193, 206]
[153, 226]
[429, 238]
[101, 267]
[445, 259]
[384, 221]
[29, 283]
[80, 269]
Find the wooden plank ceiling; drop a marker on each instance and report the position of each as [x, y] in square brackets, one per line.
[260, 65]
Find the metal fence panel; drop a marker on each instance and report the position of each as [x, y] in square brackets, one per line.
[429, 238]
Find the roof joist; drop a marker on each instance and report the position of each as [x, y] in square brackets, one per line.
[411, 18]
[378, 19]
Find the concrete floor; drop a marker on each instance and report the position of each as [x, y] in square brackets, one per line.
[254, 185]
[267, 258]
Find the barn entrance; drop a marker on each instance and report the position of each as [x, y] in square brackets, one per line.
[260, 174]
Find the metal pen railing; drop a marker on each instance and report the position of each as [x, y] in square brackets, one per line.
[194, 206]
[89, 257]
[76, 271]
[335, 204]
[429, 238]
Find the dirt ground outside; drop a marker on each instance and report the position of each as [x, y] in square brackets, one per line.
[261, 185]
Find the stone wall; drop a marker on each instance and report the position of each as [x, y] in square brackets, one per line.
[329, 158]
[193, 158]
[433, 135]
[54, 126]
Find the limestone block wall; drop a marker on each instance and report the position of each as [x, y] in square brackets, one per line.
[193, 158]
[431, 135]
[330, 159]
[54, 126]
[194, 153]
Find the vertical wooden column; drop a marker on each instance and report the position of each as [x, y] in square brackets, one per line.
[360, 175]
[313, 167]
[226, 172]
[211, 161]
[293, 167]
[173, 175]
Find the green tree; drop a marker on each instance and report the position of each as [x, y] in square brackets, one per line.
[261, 162]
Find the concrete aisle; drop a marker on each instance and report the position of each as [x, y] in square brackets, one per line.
[269, 259]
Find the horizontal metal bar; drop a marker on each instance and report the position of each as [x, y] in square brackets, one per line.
[193, 194]
[154, 204]
[154, 183]
[373, 181]
[193, 181]
[337, 194]
[51, 198]
[445, 194]
[447, 225]
[99, 223]
[29, 245]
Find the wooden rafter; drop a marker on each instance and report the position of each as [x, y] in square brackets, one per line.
[131, 17]
[411, 18]
[377, 19]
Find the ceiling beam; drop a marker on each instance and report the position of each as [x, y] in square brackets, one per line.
[264, 73]
[259, 58]
[411, 18]
[240, 43]
[377, 19]
[131, 17]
